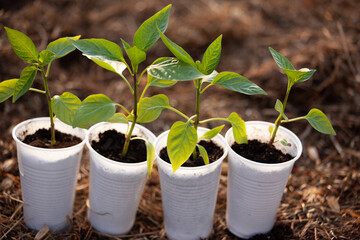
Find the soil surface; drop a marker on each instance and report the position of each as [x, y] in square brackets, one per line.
[322, 196]
[214, 153]
[111, 143]
[260, 152]
[42, 139]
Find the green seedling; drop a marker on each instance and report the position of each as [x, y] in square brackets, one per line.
[182, 140]
[315, 117]
[109, 55]
[25, 49]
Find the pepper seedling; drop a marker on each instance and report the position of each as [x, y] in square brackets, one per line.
[315, 117]
[182, 140]
[109, 55]
[25, 49]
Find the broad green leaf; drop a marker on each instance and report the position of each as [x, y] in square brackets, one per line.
[178, 51]
[280, 60]
[155, 82]
[212, 133]
[62, 46]
[25, 81]
[118, 118]
[181, 143]
[203, 154]
[110, 65]
[95, 108]
[7, 88]
[211, 56]
[237, 83]
[174, 70]
[151, 108]
[319, 121]
[65, 107]
[46, 57]
[239, 128]
[280, 108]
[136, 56]
[22, 45]
[296, 76]
[148, 34]
[101, 48]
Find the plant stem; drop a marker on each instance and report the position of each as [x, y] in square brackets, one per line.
[197, 111]
[278, 120]
[48, 97]
[128, 135]
[214, 119]
[178, 112]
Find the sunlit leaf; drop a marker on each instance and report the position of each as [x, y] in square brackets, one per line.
[7, 88]
[181, 143]
[65, 107]
[151, 108]
[296, 76]
[147, 34]
[203, 154]
[23, 46]
[118, 118]
[62, 46]
[25, 81]
[211, 56]
[239, 128]
[280, 60]
[280, 108]
[110, 65]
[212, 133]
[319, 121]
[156, 82]
[46, 57]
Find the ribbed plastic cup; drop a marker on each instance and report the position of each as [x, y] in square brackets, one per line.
[189, 195]
[115, 187]
[48, 176]
[255, 189]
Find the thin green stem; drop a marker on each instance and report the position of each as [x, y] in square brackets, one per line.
[128, 136]
[142, 73]
[178, 112]
[197, 111]
[127, 83]
[293, 119]
[122, 107]
[143, 92]
[51, 113]
[206, 88]
[214, 119]
[37, 90]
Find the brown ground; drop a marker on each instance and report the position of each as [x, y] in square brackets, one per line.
[322, 198]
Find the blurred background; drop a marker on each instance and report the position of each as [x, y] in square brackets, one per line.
[322, 198]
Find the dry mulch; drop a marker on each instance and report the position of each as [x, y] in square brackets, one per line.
[322, 197]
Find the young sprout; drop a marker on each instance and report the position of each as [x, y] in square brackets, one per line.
[315, 117]
[183, 139]
[109, 55]
[25, 49]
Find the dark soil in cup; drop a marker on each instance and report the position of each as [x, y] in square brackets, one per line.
[261, 152]
[213, 150]
[42, 139]
[111, 143]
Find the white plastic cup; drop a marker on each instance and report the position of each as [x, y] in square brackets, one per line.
[255, 189]
[48, 176]
[189, 195]
[115, 187]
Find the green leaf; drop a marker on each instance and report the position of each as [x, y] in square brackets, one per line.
[155, 82]
[211, 56]
[23, 47]
[65, 107]
[178, 51]
[136, 56]
[62, 46]
[151, 108]
[118, 118]
[239, 128]
[301, 75]
[271, 129]
[285, 143]
[25, 81]
[95, 108]
[110, 65]
[210, 78]
[7, 88]
[203, 154]
[181, 143]
[280, 108]
[280, 60]
[172, 69]
[212, 133]
[237, 83]
[46, 57]
[150, 156]
[319, 121]
[148, 34]
[100, 48]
